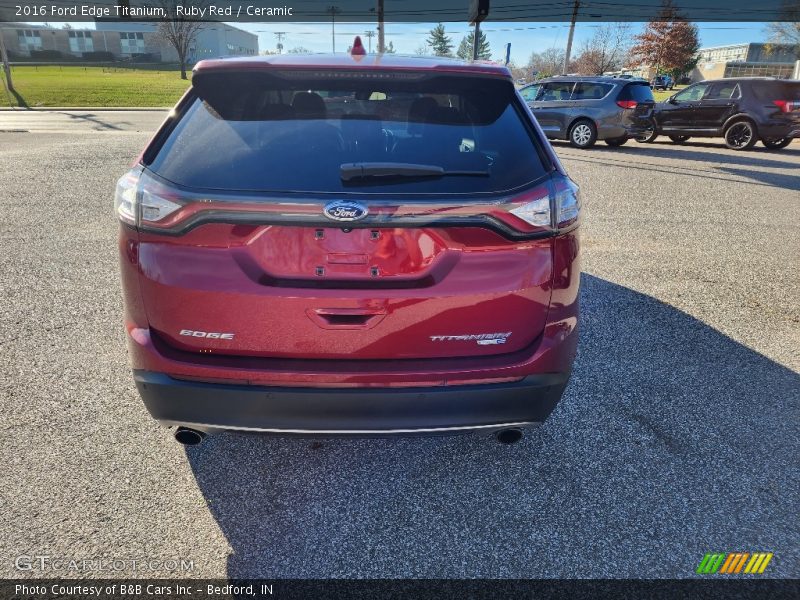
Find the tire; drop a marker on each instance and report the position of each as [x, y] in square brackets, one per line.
[777, 144]
[648, 136]
[583, 134]
[616, 142]
[741, 135]
[679, 139]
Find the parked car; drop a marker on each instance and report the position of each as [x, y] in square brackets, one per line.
[740, 110]
[585, 109]
[662, 82]
[361, 246]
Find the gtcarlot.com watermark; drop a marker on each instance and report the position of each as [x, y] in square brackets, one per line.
[56, 564]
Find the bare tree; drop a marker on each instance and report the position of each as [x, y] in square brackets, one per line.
[605, 51]
[546, 63]
[178, 32]
[786, 31]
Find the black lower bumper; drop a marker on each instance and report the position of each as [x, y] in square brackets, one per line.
[351, 411]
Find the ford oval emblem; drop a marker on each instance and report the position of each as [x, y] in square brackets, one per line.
[344, 210]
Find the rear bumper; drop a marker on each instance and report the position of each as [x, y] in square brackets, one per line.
[776, 132]
[349, 411]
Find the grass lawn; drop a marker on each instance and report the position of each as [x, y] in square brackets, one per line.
[93, 86]
[661, 95]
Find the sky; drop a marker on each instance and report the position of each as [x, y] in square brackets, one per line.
[525, 38]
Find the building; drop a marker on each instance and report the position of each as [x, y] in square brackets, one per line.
[122, 40]
[745, 60]
[214, 40]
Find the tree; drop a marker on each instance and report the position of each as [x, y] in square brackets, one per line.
[299, 50]
[465, 47]
[669, 44]
[440, 42]
[787, 31]
[546, 63]
[178, 32]
[605, 51]
[422, 50]
[389, 49]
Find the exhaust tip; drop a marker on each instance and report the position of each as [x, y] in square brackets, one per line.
[188, 437]
[508, 436]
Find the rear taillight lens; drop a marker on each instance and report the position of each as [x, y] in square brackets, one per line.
[552, 208]
[627, 103]
[137, 199]
[787, 106]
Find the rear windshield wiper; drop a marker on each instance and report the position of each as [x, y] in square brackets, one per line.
[365, 170]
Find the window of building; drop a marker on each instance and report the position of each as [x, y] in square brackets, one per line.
[80, 41]
[29, 39]
[132, 43]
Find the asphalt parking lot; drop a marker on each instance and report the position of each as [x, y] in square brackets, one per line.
[677, 436]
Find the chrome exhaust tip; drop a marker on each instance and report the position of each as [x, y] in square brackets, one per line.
[509, 436]
[189, 437]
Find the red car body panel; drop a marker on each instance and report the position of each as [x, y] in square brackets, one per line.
[310, 306]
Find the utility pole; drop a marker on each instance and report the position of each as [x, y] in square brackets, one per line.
[6, 66]
[571, 34]
[370, 34]
[381, 40]
[279, 35]
[334, 10]
[476, 42]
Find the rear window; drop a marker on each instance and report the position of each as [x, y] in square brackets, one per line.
[767, 91]
[640, 92]
[261, 132]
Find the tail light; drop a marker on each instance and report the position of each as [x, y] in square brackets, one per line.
[137, 200]
[787, 106]
[628, 104]
[554, 207]
[144, 201]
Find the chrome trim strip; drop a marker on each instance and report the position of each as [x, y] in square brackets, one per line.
[212, 428]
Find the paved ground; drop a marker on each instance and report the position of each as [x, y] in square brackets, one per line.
[678, 434]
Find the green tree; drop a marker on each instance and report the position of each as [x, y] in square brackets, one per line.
[440, 42]
[669, 44]
[465, 47]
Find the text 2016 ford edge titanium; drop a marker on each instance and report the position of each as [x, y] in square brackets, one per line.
[349, 245]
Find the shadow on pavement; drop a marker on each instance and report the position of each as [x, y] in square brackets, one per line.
[672, 440]
[95, 120]
[747, 158]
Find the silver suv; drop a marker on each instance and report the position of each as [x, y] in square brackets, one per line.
[586, 109]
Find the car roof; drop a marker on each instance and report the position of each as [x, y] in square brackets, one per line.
[597, 78]
[383, 62]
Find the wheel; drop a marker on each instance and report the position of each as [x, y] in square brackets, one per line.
[741, 135]
[649, 135]
[679, 139]
[583, 134]
[616, 141]
[777, 144]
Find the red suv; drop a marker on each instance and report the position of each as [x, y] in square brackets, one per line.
[349, 245]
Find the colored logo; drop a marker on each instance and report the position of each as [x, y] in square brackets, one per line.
[734, 563]
[343, 210]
